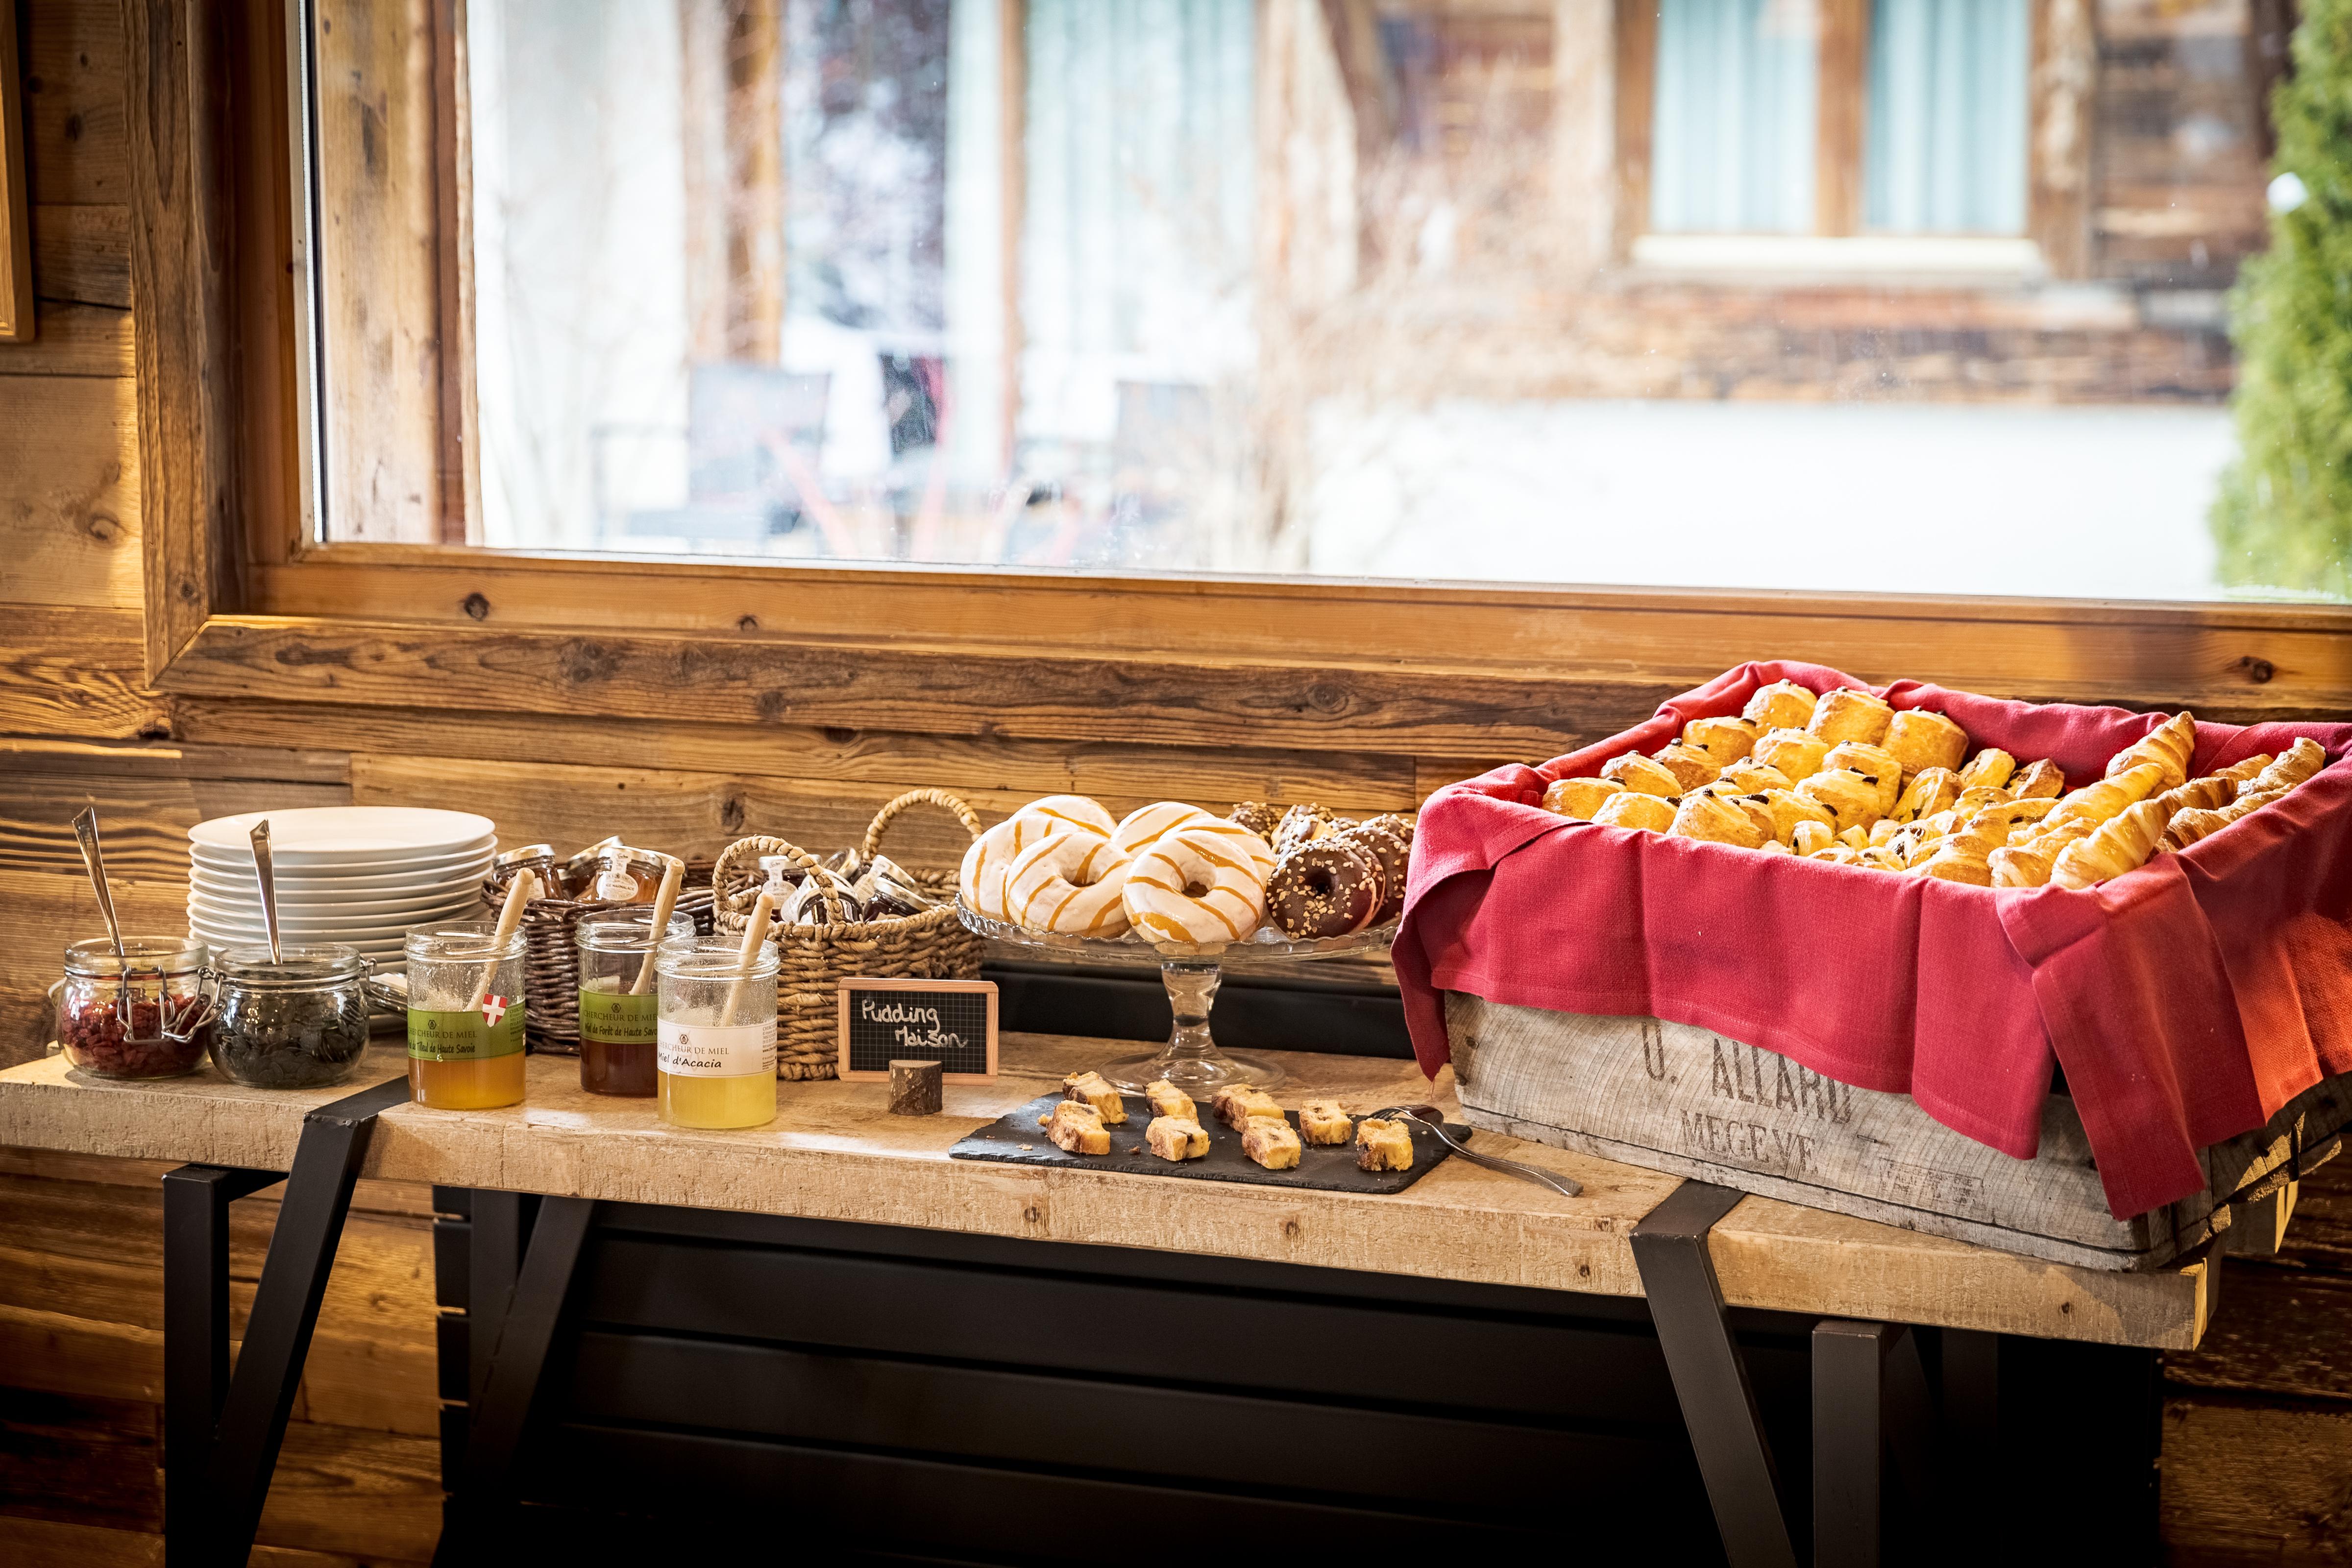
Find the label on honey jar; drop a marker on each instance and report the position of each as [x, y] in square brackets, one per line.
[493, 1029]
[711, 1050]
[611, 1019]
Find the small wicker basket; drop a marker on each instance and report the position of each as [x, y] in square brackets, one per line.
[814, 959]
[551, 964]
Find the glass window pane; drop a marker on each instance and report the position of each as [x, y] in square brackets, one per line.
[1735, 115]
[1945, 147]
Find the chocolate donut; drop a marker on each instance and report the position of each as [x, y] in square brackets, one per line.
[1392, 849]
[1302, 823]
[1257, 816]
[1328, 887]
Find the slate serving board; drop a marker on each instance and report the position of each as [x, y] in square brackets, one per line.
[1016, 1139]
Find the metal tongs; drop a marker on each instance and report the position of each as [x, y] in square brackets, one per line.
[1429, 1116]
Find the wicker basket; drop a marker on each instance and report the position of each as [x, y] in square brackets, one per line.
[551, 964]
[813, 960]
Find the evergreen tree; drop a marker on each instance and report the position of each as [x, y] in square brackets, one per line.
[2283, 517]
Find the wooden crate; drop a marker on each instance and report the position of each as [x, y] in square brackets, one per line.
[1675, 1097]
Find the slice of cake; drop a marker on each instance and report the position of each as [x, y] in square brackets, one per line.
[1271, 1142]
[1092, 1088]
[1167, 1099]
[1078, 1128]
[1176, 1137]
[1383, 1146]
[1238, 1104]
[1322, 1121]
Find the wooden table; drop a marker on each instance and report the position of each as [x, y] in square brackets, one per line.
[834, 1155]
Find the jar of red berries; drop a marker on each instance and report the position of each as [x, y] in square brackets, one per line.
[146, 1015]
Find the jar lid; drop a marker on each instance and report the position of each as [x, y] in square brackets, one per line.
[512, 857]
[585, 862]
[146, 954]
[329, 963]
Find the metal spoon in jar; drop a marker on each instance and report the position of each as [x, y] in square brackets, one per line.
[1429, 1116]
[267, 876]
[85, 833]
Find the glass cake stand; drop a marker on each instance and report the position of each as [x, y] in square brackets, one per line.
[1190, 1060]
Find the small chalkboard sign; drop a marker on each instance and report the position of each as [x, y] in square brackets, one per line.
[951, 1022]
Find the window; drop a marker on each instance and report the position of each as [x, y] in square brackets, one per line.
[1431, 290]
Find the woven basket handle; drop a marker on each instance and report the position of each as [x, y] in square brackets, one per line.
[741, 900]
[889, 813]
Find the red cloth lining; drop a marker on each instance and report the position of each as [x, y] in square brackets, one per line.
[2187, 1000]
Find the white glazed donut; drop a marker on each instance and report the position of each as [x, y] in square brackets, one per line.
[1070, 882]
[1145, 824]
[1076, 810]
[1161, 880]
[991, 857]
[1239, 841]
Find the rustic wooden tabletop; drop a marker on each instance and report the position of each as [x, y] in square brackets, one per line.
[836, 1153]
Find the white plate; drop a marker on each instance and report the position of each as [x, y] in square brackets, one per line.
[239, 862]
[320, 834]
[294, 889]
[248, 906]
[377, 954]
[330, 931]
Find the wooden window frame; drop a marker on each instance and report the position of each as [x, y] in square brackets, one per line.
[240, 606]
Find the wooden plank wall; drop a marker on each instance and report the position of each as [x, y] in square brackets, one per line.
[2258, 1445]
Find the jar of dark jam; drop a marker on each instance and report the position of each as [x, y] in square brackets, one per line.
[144, 1015]
[299, 1023]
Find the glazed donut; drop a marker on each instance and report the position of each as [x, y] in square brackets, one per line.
[1161, 896]
[980, 879]
[1069, 882]
[1329, 888]
[1257, 816]
[1238, 841]
[1076, 810]
[1145, 824]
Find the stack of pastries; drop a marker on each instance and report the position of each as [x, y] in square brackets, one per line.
[1173, 872]
[1844, 778]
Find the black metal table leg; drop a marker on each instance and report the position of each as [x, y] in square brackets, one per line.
[1709, 1376]
[223, 1429]
[196, 1340]
[1870, 1398]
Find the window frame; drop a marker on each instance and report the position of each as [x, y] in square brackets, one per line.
[241, 605]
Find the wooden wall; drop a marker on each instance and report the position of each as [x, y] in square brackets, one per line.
[2259, 1448]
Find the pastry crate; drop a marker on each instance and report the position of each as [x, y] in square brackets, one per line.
[1680, 1099]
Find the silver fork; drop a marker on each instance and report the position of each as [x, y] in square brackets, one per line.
[1429, 1116]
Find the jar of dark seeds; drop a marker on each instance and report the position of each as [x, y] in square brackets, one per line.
[300, 1023]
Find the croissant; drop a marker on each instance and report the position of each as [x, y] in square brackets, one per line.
[1727, 741]
[1810, 837]
[1793, 752]
[1851, 798]
[2042, 778]
[1920, 740]
[1854, 838]
[2108, 797]
[1580, 797]
[1633, 808]
[1990, 766]
[1783, 705]
[2123, 843]
[2190, 825]
[2299, 762]
[1976, 798]
[2170, 746]
[1789, 810]
[2028, 864]
[2000, 822]
[1691, 766]
[1720, 821]
[1638, 773]
[1931, 791]
[2239, 772]
[1847, 714]
[1957, 860]
[2202, 794]
[1884, 829]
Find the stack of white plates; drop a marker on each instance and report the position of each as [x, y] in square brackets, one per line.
[356, 874]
